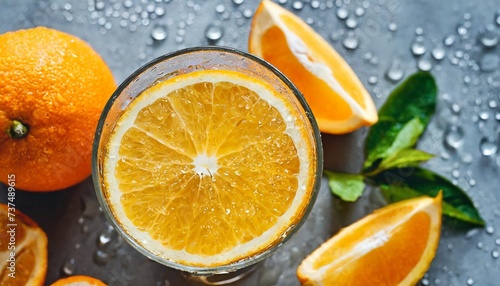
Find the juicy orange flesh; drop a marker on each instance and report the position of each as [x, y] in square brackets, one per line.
[318, 94]
[327, 55]
[362, 270]
[215, 211]
[26, 257]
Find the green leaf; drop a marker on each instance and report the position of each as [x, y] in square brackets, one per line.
[400, 184]
[414, 99]
[348, 187]
[403, 159]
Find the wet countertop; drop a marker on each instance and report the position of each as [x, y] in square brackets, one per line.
[383, 40]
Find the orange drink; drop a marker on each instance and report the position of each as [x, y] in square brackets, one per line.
[207, 159]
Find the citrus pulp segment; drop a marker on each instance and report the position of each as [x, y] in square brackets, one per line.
[210, 167]
[338, 99]
[30, 265]
[393, 246]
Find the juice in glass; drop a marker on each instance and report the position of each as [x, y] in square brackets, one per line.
[207, 159]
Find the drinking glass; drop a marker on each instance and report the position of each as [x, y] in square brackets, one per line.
[182, 62]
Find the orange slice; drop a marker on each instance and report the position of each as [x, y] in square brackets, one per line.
[78, 280]
[210, 167]
[336, 96]
[23, 256]
[393, 246]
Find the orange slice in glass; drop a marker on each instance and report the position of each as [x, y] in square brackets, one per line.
[393, 246]
[337, 97]
[210, 167]
[27, 246]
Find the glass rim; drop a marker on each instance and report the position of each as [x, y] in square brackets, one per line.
[240, 263]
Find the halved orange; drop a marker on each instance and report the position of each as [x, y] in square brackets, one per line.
[337, 97]
[393, 246]
[78, 280]
[210, 167]
[23, 249]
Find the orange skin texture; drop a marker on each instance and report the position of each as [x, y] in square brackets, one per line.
[78, 278]
[57, 85]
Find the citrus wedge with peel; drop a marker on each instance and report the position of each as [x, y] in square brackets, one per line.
[393, 246]
[23, 249]
[337, 97]
[210, 167]
[78, 280]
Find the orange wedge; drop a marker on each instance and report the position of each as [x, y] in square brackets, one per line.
[336, 96]
[393, 246]
[78, 280]
[23, 256]
[210, 167]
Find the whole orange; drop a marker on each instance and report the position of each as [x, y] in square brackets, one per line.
[53, 87]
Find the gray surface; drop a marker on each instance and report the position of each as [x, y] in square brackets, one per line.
[72, 219]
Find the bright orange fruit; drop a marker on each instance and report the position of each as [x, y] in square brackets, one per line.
[337, 97]
[53, 88]
[393, 246]
[210, 167]
[78, 280]
[30, 249]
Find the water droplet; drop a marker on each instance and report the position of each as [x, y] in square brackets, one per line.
[497, 17]
[462, 31]
[419, 31]
[470, 281]
[497, 116]
[159, 11]
[69, 267]
[315, 4]
[159, 33]
[373, 80]
[489, 62]
[393, 27]
[336, 35]
[342, 13]
[351, 22]
[418, 47]
[359, 11]
[438, 53]
[395, 73]
[489, 230]
[471, 233]
[454, 136]
[424, 64]
[297, 5]
[238, 2]
[449, 40]
[220, 8]
[492, 104]
[282, 1]
[214, 33]
[484, 115]
[247, 13]
[100, 257]
[426, 282]
[455, 174]
[351, 41]
[480, 245]
[495, 254]
[488, 36]
[488, 147]
[497, 241]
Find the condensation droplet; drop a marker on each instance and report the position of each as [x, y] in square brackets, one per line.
[159, 33]
[488, 147]
[351, 41]
[393, 27]
[470, 281]
[373, 80]
[495, 254]
[449, 40]
[438, 53]
[488, 36]
[489, 230]
[342, 13]
[489, 62]
[69, 267]
[297, 5]
[418, 47]
[454, 136]
[497, 17]
[395, 72]
[424, 64]
[351, 22]
[214, 33]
